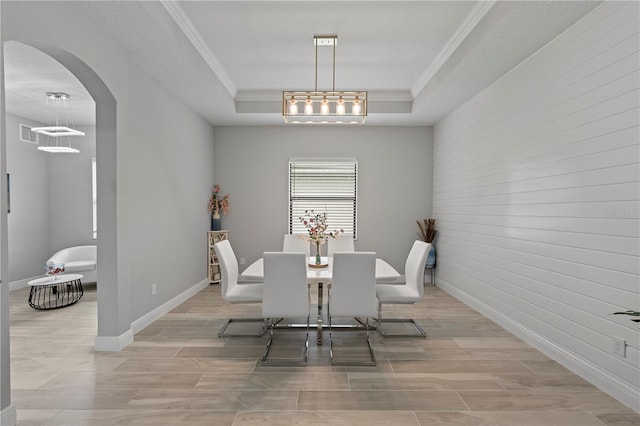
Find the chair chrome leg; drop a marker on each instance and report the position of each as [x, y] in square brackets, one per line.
[373, 356]
[366, 363]
[420, 330]
[266, 352]
[284, 361]
[263, 330]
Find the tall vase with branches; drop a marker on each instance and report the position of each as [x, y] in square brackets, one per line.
[429, 232]
[217, 203]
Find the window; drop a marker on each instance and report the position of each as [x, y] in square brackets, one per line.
[329, 186]
[94, 195]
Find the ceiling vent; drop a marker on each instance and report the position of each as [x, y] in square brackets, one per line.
[26, 135]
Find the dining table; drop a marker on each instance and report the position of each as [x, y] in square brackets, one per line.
[320, 275]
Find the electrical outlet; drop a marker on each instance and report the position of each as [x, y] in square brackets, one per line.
[619, 346]
[242, 260]
[154, 289]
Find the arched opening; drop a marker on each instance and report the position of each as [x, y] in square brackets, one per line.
[111, 326]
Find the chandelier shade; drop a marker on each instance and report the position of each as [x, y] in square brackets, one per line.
[55, 131]
[324, 107]
[58, 149]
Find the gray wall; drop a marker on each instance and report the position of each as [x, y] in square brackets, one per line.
[395, 171]
[157, 167]
[28, 221]
[536, 192]
[50, 199]
[165, 173]
[70, 205]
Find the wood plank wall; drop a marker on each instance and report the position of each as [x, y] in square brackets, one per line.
[536, 192]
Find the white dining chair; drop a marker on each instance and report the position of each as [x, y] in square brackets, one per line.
[236, 293]
[285, 295]
[295, 243]
[407, 290]
[344, 243]
[353, 294]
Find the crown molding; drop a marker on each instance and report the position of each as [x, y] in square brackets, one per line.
[185, 24]
[472, 19]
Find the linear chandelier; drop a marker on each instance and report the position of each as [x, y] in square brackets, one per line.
[324, 107]
[58, 125]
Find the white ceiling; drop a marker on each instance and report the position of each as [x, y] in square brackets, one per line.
[230, 60]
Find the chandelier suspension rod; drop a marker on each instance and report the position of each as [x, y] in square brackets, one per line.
[333, 69]
[316, 76]
[334, 65]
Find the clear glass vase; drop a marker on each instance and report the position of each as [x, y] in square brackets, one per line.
[318, 257]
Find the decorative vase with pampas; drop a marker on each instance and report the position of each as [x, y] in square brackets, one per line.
[429, 232]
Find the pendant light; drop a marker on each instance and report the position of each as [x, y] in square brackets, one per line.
[325, 107]
[59, 125]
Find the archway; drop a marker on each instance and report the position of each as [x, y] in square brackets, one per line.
[112, 332]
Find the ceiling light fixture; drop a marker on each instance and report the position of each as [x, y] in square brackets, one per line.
[58, 125]
[325, 107]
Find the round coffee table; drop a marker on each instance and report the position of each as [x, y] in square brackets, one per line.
[55, 291]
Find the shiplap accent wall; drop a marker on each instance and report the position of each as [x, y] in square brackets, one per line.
[536, 192]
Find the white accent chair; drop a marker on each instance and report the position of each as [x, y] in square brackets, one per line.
[294, 243]
[407, 290]
[236, 293]
[285, 295]
[344, 243]
[79, 260]
[353, 294]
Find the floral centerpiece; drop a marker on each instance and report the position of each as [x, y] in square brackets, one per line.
[217, 204]
[316, 225]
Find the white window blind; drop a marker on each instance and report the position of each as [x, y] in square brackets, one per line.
[329, 186]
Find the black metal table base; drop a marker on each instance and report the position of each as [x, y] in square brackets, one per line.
[56, 295]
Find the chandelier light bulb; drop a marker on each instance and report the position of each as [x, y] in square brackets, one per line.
[293, 108]
[355, 109]
[324, 108]
[308, 107]
[340, 110]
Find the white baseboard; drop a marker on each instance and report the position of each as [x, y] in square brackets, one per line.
[16, 285]
[117, 343]
[589, 371]
[114, 343]
[8, 416]
[147, 319]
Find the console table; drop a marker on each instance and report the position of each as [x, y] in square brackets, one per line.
[55, 291]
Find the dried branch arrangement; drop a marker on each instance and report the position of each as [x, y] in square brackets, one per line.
[427, 229]
[631, 313]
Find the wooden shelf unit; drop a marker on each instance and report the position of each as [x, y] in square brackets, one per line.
[213, 267]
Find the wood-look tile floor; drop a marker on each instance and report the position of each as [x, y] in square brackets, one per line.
[469, 371]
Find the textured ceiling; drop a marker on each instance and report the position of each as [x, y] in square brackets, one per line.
[230, 60]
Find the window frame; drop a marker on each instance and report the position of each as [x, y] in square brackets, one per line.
[340, 164]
